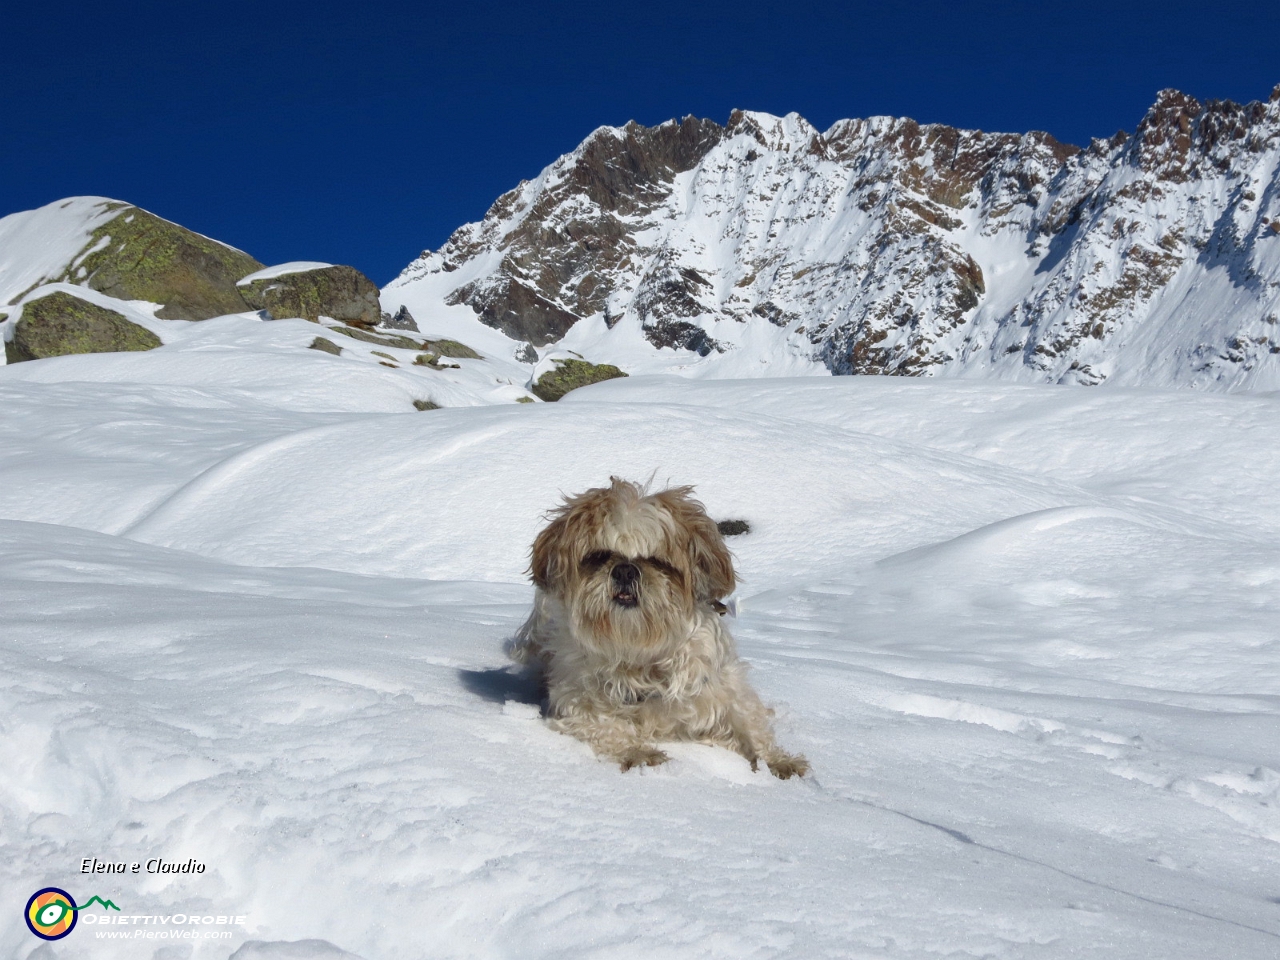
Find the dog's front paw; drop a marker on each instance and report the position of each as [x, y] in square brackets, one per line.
[784, 766]
[642, 757]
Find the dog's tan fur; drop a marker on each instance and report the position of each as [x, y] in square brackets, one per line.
[632, 662]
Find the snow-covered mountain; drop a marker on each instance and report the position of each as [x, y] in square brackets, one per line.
[887, 246]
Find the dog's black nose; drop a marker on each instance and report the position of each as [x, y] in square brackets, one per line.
[625, 574]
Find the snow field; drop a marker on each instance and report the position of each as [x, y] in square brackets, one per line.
[1025, 635]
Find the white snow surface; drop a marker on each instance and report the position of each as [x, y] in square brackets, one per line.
[254, 608]
[39, 245]
[283, 269]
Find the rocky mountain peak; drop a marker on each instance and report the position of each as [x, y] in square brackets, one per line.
[617, 166]
[1179, 135]
[883, 245]
[788, 134]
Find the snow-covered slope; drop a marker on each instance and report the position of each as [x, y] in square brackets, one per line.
[43, 245]
[883, 246]
[44, 251]
[121, 251]
[1025, 634]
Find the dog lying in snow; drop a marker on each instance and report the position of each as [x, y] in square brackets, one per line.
[626, 631]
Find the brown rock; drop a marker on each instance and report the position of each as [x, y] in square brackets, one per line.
[342, 293]
[60, 324]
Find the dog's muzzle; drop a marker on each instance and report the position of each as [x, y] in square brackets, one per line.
[626, 584]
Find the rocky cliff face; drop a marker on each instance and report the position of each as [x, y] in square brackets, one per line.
[887, 246]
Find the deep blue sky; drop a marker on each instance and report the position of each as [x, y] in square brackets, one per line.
[363, 132]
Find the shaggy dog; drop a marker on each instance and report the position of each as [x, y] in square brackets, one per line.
[626, 631]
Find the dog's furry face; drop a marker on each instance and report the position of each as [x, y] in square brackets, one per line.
[631, 568]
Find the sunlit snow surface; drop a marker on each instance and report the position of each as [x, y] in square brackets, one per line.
[1027, 637]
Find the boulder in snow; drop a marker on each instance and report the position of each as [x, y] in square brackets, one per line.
[452, 349]
[327, 346]
[570, 375]
[61, 324]
[342, 293]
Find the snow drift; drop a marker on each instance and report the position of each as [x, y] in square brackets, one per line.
[1025, 634]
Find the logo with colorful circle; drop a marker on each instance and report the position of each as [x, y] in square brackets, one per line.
[51, 913]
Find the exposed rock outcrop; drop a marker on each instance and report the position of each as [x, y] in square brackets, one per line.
[127, 253]
[452, 349]
[559, 265]
[571, 374]
[60, 324]
[139, 256]
[516, 309]
[325, 346]
[341, 293]
[403, 320]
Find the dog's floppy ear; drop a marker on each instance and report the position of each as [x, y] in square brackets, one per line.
[572, 524]
[711, 560]
[543, 559]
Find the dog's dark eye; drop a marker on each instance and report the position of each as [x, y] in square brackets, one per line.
[597, 558]
[664, 567]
